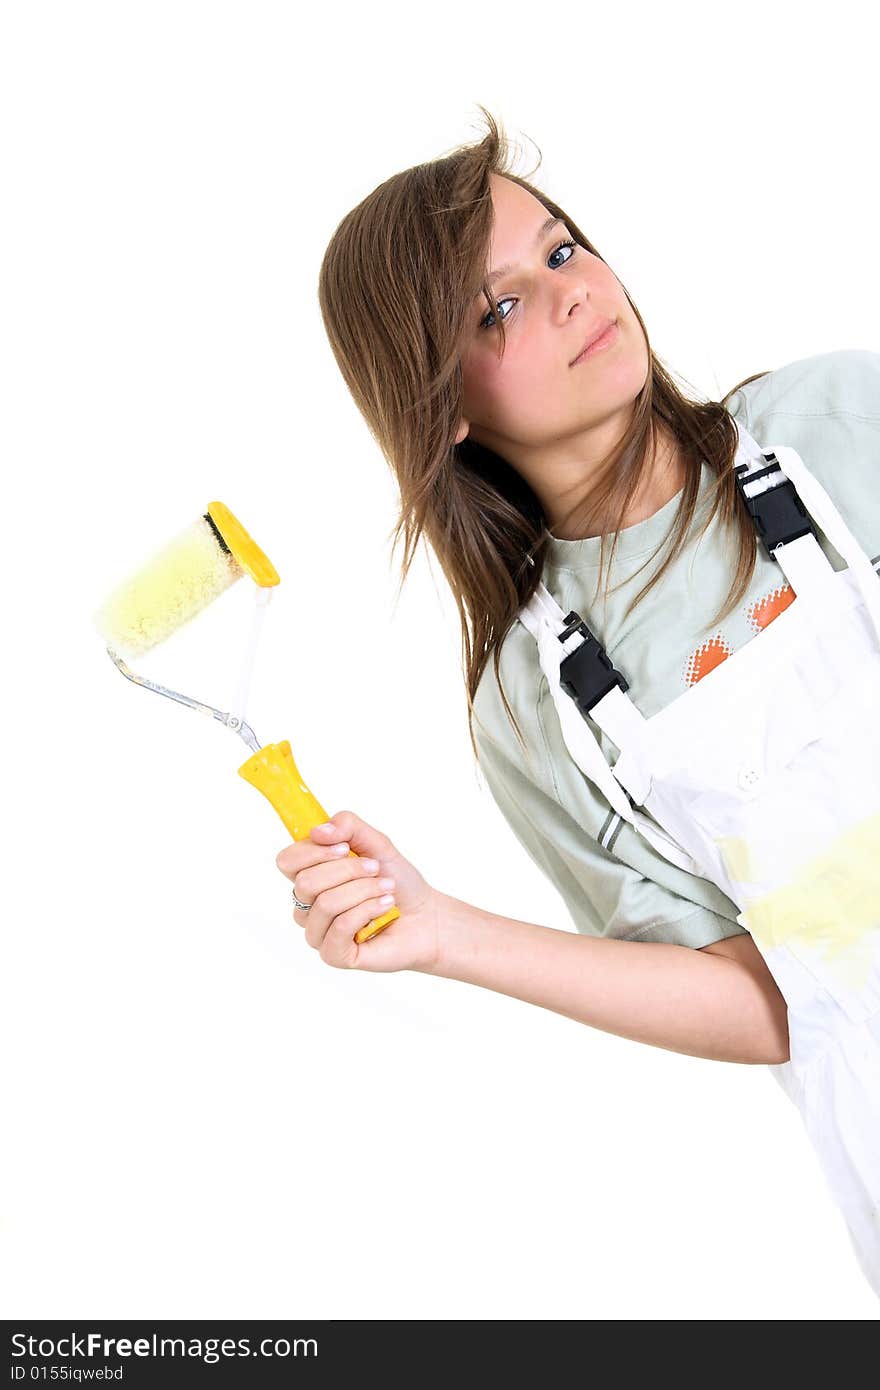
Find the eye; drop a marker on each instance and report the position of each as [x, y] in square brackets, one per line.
[484, 322]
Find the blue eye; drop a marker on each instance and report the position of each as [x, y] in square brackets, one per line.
[484, 323]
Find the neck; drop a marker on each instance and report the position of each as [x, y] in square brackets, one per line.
[664, 479]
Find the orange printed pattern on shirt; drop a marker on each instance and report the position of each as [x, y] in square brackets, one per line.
[762, 613]
[706, 658]
[759, 615]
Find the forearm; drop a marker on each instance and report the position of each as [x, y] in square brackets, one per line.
[669, 996]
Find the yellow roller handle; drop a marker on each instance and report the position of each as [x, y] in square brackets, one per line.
[273, 772]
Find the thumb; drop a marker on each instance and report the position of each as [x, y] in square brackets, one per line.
[364, 839]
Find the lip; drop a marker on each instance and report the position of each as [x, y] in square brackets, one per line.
[607, 333]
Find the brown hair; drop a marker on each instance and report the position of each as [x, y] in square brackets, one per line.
[396, 291]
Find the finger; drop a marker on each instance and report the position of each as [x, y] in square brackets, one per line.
[330, 830]
[363, 837]
[328, 907]
[309, 882]
[344, 910]
[304, 853]
[313, 880]
[319, 878]
[338, 946]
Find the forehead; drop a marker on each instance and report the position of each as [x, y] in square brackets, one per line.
[517, 214]
[520, 224]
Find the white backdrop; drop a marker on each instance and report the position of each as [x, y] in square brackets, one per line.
[202, 1119]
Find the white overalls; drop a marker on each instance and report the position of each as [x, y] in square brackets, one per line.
[764, 777]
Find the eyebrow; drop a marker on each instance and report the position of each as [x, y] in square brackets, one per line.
[542, 232]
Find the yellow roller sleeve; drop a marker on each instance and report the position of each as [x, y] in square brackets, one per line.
[273, 772]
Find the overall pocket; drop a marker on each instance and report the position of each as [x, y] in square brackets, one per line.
[756, 760]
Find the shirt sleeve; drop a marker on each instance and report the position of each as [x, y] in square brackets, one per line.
[816, 390]
[604, 895]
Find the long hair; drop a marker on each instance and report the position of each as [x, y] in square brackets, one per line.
[396, 291]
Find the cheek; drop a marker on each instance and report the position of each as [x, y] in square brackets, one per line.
[637, 357]
[490, 382]
[520, 373]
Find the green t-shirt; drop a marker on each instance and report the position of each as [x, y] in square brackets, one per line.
[613, 882]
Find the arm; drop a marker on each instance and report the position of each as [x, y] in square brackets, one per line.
[719, 1002]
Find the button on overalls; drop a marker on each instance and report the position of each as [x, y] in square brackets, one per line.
[764, 777]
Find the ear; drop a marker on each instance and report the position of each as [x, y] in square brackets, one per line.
[464, 426]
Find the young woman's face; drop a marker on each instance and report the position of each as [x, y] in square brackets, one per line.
[552, 300]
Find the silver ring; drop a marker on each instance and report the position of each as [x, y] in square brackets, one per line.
[304, 907]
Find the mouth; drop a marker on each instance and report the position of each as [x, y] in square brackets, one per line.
[604, 336]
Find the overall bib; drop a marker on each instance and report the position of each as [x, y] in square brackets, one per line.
[764, 778]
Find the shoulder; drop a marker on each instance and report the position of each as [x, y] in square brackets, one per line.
[826, 407]
[520, 674]
[845, 381]
[523, 682]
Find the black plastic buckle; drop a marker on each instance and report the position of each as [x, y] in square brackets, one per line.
[586, 674]
[779, 514]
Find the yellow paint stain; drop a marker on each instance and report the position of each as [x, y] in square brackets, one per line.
[739, 858]
[830, 907]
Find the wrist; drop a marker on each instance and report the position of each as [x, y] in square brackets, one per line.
[464, 933]
[449, 915]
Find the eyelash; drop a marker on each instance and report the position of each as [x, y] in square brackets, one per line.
[499, 302]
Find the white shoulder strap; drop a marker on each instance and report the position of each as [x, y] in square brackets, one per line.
[823, 511]
[826, 515]
[545, 619]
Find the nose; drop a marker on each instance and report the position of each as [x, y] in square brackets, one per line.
[575, 292]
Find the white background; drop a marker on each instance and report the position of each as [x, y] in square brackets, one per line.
[202, 1118]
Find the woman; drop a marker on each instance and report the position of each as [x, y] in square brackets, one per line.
[509, 380]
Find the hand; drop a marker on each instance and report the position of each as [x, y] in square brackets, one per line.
[344, 898]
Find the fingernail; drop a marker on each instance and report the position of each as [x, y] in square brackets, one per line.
[328, 825]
